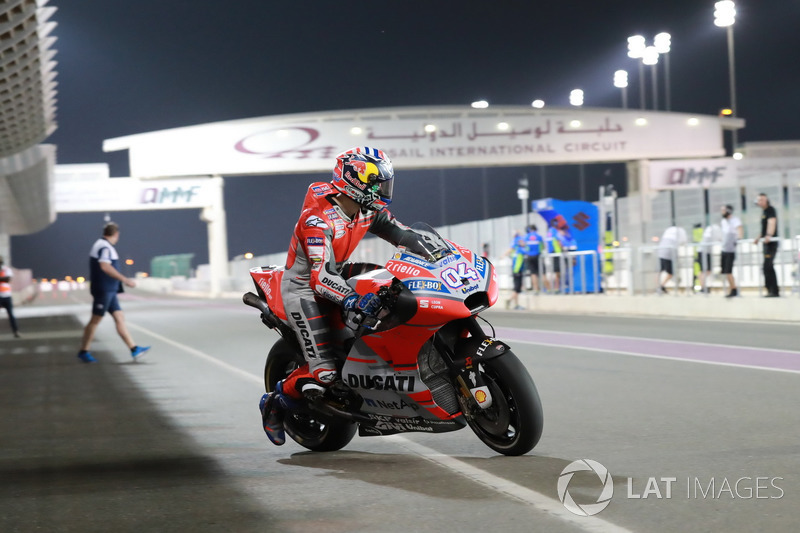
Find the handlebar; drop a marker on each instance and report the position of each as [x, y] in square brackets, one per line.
[388, 297]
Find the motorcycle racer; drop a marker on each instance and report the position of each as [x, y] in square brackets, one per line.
[334, 218]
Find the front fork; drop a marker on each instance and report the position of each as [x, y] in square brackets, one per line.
[464, 362]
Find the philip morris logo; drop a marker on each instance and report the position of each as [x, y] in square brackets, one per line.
[606, 482]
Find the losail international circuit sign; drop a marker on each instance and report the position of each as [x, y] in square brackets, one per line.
[421, 138]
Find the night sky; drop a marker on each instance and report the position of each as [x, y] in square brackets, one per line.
[131, 67]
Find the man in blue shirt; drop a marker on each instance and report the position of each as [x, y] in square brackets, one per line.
[517, 252]
[534, 244]
[554, 250]
[106, 282]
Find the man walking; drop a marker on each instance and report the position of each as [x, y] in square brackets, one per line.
[106, 282]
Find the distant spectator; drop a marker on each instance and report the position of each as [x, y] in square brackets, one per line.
[568, 244]
[673, 237]
[517, 253]
[534, 244]
[732, 230]
[769, 234]
[554, 250]
[712, 234]
[5, 295]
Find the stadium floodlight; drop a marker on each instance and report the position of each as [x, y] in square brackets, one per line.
[538, 104]
[480, 104]
[576, 97]
[662, 42]
[650, 56]
[636, 46]
[724, 13]
[621, 79]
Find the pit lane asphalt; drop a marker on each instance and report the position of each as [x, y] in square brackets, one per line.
[173, 443]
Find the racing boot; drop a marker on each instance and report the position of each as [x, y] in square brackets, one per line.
[272, 407]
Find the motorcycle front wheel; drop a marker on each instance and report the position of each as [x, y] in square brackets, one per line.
[513, 424]
[303, 427]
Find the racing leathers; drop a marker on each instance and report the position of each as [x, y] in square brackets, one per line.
[323, 239]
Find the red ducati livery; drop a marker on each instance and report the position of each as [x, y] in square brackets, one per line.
[423, 364]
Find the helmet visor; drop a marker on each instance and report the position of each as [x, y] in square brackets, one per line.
[383, 188]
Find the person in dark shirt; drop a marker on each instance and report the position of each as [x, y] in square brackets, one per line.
[106, 282]
[769, 234]
[5, 296]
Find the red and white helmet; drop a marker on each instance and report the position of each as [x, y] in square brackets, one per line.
[365, 175]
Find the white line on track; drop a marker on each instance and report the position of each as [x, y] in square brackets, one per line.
[202, 355]
[535, 499]
[651, 356]
[648, 339]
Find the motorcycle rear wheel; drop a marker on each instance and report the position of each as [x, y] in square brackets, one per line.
[513, 424]
[304, 428]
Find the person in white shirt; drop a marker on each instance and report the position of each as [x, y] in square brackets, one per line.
[732, 231]
[712, 234]
[673, 237]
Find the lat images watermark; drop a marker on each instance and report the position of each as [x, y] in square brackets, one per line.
[603, 499]
[664, 487]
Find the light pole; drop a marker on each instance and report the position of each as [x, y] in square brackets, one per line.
[724, 17]
[662, 42]
[621, 81]
[636, 46]
[576, 99]
[650, 57]
[523, 194]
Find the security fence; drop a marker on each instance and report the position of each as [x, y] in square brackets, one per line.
[627, 269]
[167, 266]
[642, 219]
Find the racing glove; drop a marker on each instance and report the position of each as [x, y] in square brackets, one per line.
[369, 304]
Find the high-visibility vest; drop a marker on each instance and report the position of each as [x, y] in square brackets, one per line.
[608, 263]
[5, 287]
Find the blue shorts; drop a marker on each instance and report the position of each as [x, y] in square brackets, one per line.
[105, 301]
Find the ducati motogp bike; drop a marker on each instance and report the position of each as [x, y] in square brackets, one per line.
[423, 363]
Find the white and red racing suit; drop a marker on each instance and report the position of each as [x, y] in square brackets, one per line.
[323, 239]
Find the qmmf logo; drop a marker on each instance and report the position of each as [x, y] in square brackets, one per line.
[591, 466]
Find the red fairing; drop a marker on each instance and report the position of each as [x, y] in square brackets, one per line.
[493, 290]
[269, 282]
[403, 270]
[365, 286]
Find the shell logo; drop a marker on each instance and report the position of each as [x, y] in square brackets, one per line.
[480, 396]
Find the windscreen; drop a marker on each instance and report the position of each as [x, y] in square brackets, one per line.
[423, 241]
